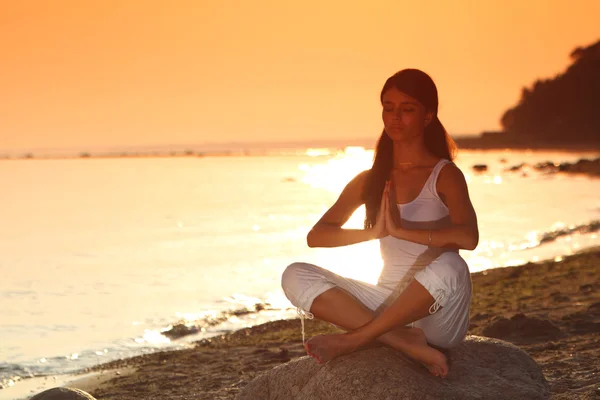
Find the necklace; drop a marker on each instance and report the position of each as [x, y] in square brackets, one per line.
[401, 164]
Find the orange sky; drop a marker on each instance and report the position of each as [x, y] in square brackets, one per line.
[109, 73]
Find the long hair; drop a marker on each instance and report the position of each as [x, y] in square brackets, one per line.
[419, 85]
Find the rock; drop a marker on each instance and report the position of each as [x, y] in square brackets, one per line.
[63, 393]
[481, 368]
[521, 329]
[180, 330]
[516, 167]
[480, 167]
[583, 166]
[547, 166]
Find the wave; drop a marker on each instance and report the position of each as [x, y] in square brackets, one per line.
[184, 328]
[590, 227]
[176, 335]
[10, 374]
[551, 236]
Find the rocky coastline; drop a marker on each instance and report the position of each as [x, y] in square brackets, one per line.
[584, 166]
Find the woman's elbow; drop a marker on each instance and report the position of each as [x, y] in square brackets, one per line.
[310, 239]
[472, 242]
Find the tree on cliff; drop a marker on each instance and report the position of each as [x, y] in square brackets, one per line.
[565, 109]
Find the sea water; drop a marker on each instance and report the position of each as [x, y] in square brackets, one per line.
[99, 257]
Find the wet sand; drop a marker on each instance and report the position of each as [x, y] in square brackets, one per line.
[549, 309]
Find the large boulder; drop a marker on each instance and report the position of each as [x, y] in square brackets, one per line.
[63, 393]
[480, 368]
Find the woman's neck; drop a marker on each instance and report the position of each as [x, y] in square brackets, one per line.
[410, 153]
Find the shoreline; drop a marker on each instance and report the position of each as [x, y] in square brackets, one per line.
[550, 309]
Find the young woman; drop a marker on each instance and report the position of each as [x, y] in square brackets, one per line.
[418, 206]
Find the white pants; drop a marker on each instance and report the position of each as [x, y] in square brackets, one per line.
[447, 279]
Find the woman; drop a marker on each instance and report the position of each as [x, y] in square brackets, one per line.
[418, 206]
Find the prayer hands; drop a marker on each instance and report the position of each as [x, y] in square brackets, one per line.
[380, 227]
[393, 220]
[388, 220]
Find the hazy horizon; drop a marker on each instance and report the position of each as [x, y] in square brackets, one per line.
[205, 145]
[225, 145]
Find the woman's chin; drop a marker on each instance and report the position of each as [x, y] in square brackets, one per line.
[402, 136]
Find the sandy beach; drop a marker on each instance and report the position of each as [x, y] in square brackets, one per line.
[550, 309]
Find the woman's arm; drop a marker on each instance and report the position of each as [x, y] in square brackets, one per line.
[328, 231]
[463, 233]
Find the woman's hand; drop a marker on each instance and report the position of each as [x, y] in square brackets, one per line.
[380, 230]
[393, 220]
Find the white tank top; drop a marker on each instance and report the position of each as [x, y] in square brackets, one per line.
[426, 211]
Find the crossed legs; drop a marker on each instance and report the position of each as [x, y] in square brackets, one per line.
[342, 309]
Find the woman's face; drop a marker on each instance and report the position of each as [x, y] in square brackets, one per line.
[403, 116]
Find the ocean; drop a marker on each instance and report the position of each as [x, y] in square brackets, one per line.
[101, 257]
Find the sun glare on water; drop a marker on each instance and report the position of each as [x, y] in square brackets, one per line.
[360, 261]
[334, 174]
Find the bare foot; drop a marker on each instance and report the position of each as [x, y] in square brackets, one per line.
[324, 348]
[412, 342]
[417, 348]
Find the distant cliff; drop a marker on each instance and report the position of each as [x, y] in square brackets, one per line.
[560, 112]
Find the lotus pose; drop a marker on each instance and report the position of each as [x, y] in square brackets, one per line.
[418, 207]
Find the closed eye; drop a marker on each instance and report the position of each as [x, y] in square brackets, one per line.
[406, 110]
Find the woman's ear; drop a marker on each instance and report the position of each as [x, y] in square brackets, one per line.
[428, 118]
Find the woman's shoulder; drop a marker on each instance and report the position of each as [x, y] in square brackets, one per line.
[356, 186]
[359, 181]
[353, 192]
[449, 168]
[363, 175]
[450, 175]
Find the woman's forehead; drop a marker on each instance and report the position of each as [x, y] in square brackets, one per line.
[393, 95]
